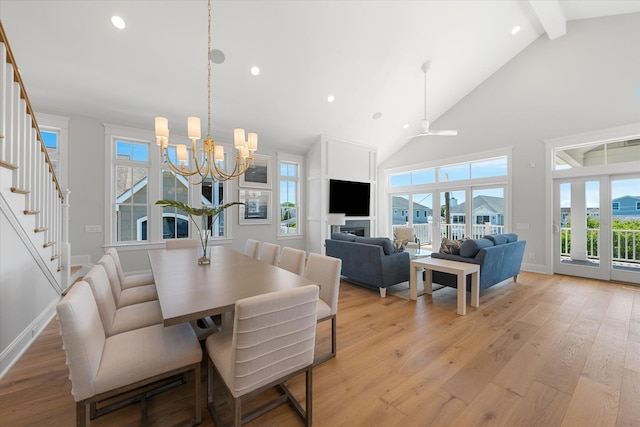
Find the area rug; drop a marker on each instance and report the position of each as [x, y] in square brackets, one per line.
[402, 289]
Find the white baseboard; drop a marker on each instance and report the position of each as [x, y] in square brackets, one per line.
[21, 344]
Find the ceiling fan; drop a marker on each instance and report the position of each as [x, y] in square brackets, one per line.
[425, 123]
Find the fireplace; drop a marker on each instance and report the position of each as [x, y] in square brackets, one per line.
[359, 227]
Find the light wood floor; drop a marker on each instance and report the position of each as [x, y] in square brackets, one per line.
[547, 351]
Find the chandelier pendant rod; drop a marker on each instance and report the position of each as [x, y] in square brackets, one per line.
[212, 156]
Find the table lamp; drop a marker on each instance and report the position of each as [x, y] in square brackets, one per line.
[335, 221]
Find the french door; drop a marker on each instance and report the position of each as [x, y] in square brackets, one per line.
[597, 227]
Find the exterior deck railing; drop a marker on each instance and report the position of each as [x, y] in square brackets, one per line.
[625, 244]
[424, 232]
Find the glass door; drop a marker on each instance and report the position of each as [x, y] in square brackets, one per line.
[417, 214]
[597, 227]
[625, 228]
[453, 214]
[580, 249]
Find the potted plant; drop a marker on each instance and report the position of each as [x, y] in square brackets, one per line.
[212, 211]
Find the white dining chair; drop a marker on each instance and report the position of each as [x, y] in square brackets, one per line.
[292, 260]
[252, 248]
[125, 297]
[104, 367]
[117, 320]
[272, 341]
[181, 243]
[325, 271]
[132, 280]
[270, 253]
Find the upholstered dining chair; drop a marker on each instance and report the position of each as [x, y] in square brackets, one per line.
[325, 271]
[125, 297]
[132, 280]
[252, 248]
[270, 253]
[408, 234]
[117, 320]
[292, 259]
[181, 243]
[272, 341]
[102, 367]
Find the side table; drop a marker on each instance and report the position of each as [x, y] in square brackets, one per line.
[460, 269]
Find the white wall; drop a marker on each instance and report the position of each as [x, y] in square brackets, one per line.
[584, 81]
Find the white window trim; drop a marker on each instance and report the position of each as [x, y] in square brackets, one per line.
[299, 160]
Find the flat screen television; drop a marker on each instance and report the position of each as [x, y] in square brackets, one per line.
[349, 197]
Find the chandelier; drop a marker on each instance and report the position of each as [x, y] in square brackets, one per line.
[209, 161]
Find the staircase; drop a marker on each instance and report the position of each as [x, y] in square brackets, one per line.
[34, 243]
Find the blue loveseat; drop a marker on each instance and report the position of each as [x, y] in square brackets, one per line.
[499, 256]
[369, 261]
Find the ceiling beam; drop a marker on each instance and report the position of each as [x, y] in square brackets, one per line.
[551, 17]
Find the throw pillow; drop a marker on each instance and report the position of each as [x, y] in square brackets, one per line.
[451, 247]
[399, 245]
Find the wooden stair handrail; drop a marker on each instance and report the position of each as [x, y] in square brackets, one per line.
[23, 94]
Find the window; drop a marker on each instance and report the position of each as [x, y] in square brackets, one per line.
[175, 222]
[288, 179]
[638, 206]
[131, 166]
[424, 176]
[51, 141]
[457, 199]
[590, 154]
[138, 179]
[615, 206]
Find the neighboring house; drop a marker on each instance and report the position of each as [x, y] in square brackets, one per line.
[625, 207]
[421, 213]
[174, 224]
[485, 209]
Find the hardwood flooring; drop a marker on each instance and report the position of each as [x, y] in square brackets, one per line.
[546, 351]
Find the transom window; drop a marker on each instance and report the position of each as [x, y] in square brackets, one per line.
[478, 169]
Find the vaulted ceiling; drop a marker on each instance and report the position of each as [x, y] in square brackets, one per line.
[367, 54]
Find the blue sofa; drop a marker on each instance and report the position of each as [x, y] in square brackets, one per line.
[499, 256]
[369, 261]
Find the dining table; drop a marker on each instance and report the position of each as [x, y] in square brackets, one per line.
[189, 291]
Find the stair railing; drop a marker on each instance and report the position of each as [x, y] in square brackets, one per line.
[23, 151]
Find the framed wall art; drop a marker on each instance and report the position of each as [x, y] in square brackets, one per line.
[256, 208]
[259, 174]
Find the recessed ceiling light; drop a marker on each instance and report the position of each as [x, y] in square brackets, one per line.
[118, 22]
[331, 98]
[377, 115]
[515, 30]
[406, 126]
[255, 70]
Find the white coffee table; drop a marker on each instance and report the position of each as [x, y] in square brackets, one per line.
[460, 269]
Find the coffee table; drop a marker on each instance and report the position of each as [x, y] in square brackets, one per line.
[460, 269]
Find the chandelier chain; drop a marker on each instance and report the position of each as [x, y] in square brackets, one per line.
[209, 72]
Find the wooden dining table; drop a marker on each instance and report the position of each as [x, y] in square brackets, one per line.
[189, 291]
